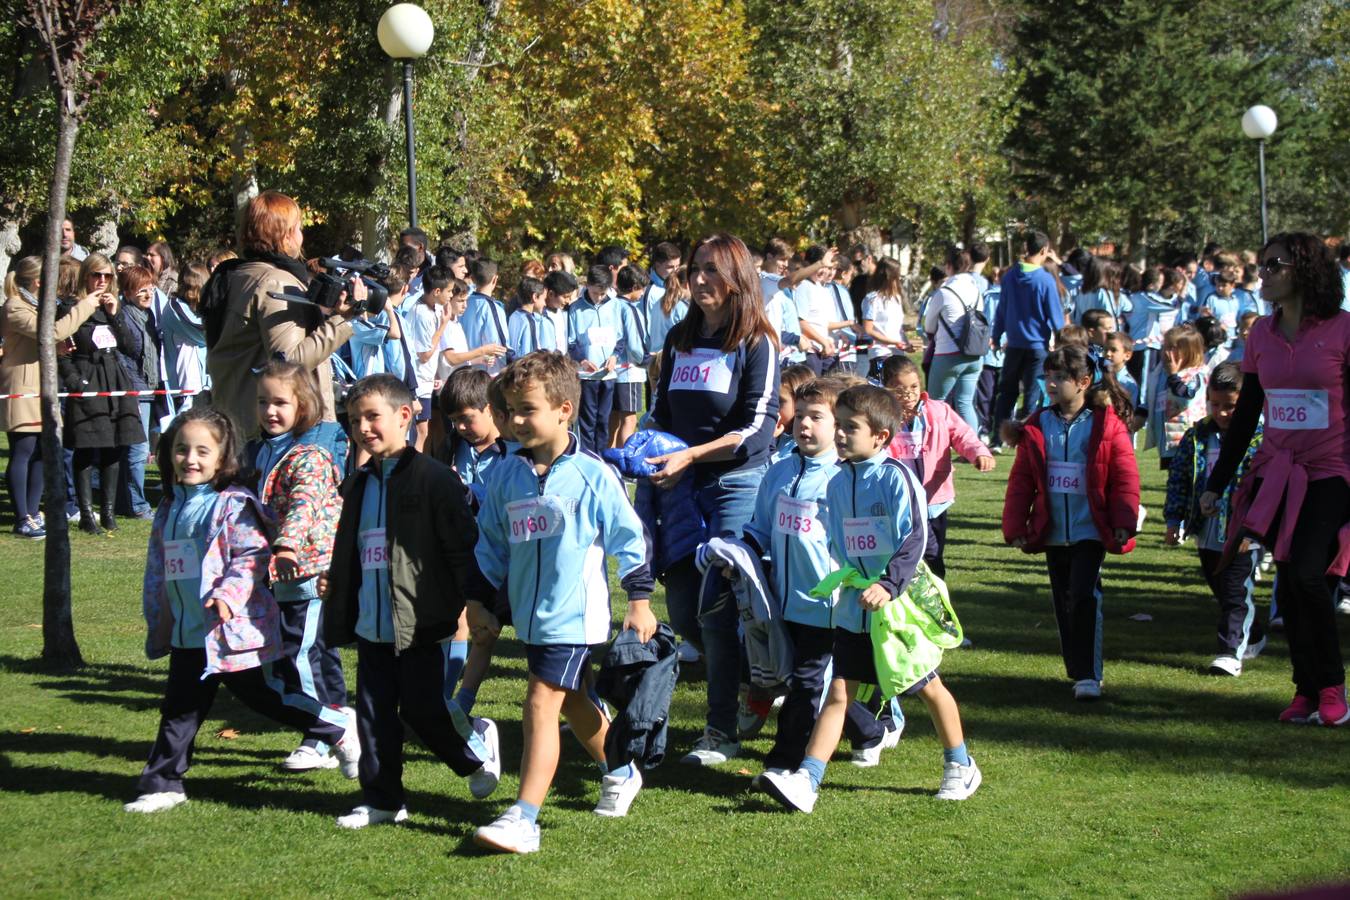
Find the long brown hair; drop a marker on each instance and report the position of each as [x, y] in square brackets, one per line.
[677, 289]
[731, 259]
[226, 434]
[301, 381]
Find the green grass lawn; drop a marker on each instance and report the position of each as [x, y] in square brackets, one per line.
[1176, 784]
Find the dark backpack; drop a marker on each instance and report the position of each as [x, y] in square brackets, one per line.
[972, 334]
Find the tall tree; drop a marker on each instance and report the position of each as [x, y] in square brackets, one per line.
[65, 29]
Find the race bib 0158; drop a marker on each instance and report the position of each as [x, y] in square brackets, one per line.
[374, 549]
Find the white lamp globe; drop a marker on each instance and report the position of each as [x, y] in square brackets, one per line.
[405, 31]
[1259, 122]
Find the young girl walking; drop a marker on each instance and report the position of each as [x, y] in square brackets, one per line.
[298, 483]
[206, 606]
[1074, 495]
[1178, 394]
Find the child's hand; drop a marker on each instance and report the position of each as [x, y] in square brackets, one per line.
[640, 619]
[1171, 361]
[984, 464]
[322, 585]
[1209, 504]
[1122, 535]
[222, 609]
[1139, 421]
[874, 598]
[587, 366]
[610, 364]
[483, 625]
[1173, 535]
[1017, 543]
[288, 567]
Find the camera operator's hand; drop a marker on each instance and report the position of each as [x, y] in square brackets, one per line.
[352, 299]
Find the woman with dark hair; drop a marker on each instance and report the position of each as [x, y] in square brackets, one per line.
[720, 371]
[160, 261]
[98, 428]
[247, 327]
[1296, 497]
[140, 359]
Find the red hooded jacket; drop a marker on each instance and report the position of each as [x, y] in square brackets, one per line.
[1112, 485]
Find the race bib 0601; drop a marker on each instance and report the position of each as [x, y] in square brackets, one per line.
[1296, 410]
[867, 536]
[374, 549]
[103, 337]
[533, 519]
[182, 561]
[794, 516]
[701, 370]
[1068, 478]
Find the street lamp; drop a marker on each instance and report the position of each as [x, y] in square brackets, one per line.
[405, 32]
[1258, 123]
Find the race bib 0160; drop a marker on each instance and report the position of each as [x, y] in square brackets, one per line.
[182, 561]
[796, 517]
[374, 549]
[1068, 478]
[533, 519]
[701, 370]
[1296, 410]
[867, 536]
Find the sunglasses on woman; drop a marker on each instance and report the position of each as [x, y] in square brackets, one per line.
[101, 276]
[1274, 265]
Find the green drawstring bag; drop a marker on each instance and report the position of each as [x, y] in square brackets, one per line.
[909, 633]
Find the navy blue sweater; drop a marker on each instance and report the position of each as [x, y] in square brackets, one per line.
[1029, 311]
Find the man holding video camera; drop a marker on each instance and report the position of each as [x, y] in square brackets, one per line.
[247, 325]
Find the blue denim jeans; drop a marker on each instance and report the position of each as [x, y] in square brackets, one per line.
[134, 458]
[1021, 374]
[726, 503]
[953, 379]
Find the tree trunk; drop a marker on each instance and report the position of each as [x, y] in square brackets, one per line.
[104, 238]
[244, 175]
[10, 244]
[59, 649]
[375, 221]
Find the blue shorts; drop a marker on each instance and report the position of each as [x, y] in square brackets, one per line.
[853, 660]
[423, 409]
[561, 665]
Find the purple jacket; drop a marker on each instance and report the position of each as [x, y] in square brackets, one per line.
[234, 569]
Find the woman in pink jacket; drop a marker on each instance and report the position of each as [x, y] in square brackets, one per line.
[1296, 496]
[931, 430]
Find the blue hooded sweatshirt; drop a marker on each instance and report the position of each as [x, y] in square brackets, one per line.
[1029, 311]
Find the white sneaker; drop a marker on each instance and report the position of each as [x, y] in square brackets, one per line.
[868, 757]
[348, 749]
[1254, 650]
[304, 758]
[617, 794]
[153, 803]
[1344, 606]
[483, 782]
[368, 815]
[1143, 514]
[758, 781]
[685, 652]
[509, 834]
[711, 749]
[1226, 665]
[1087, 689]
[958, 781]
[792, 789]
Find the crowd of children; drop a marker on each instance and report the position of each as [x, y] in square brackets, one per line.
[476, 498]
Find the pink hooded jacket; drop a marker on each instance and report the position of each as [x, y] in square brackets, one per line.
[943, 431]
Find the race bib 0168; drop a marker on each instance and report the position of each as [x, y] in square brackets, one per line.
[1068, 478]
[1296, 410]
[182, 561]
[701, 370]
[533, 519]
[374, 549]
[867, 536]
[796, 517]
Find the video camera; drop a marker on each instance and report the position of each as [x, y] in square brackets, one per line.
[327, 288]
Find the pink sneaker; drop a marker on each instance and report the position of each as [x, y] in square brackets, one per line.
[1331, 708]
[1300, 710]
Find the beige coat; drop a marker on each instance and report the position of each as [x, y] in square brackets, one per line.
[19, 368]
[257, 327]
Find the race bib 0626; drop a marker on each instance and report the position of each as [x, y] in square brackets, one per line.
[1296, 410]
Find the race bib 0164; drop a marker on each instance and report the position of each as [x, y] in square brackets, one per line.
[1068, 478]
[533, 519]
[701, 370]
[1296, 410]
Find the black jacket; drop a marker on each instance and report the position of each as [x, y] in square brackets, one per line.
[100, 421]
[638, 680]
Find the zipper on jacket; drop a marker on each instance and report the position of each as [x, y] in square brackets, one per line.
[787, 538]
[173, 532]
[539, 552]
[380, 582]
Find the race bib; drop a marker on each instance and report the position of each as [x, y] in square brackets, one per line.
[182, 561]
[867, 536]
[103, 337]
[701, 370]
[793, 516]
[600, 336]
[1295, 410]
[374, 550]
[905, 445]
[1068, 478]
[1211, 458]
[533, 519]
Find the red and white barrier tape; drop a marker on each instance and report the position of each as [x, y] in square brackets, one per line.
[80, 395]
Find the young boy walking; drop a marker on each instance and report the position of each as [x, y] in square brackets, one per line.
[551, 514]
[403, 566]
